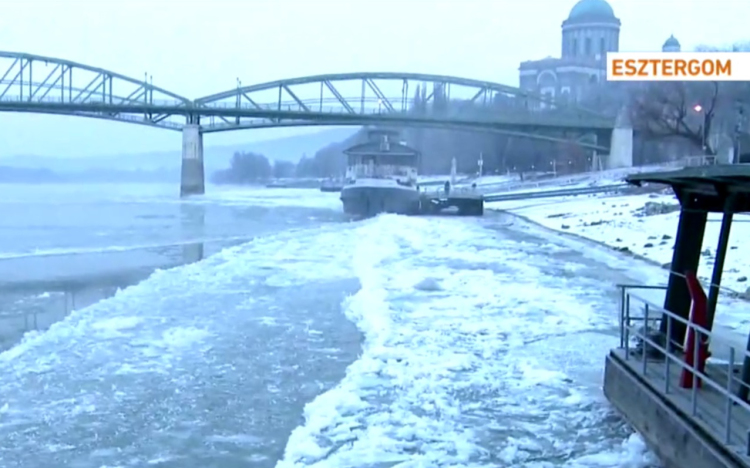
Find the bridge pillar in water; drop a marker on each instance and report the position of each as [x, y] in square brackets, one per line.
[621, 147]
[192, 180]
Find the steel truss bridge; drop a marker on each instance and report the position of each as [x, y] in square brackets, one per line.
[37, 84]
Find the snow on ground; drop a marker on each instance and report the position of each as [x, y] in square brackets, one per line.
[645, 225]
[496, 179]
[642, 224]
[434, 178]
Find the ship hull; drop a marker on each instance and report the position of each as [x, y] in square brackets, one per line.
[365, 201]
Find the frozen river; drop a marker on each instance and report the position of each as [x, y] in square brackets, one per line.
[304, 340]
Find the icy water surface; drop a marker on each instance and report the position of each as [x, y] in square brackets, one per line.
[394, 341]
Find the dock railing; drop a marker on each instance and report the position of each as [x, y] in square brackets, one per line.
[454, 191]
[700, 160]
[713, 396]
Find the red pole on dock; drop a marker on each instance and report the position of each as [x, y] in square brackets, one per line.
[698, 316]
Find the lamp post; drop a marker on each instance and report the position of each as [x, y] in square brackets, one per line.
[704, 126]
[738, 126]
[239, 99]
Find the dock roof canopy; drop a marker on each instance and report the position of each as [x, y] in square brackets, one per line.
[716, 188]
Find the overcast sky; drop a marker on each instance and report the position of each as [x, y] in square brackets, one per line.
[194, 48]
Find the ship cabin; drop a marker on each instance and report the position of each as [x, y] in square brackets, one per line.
[382, 157]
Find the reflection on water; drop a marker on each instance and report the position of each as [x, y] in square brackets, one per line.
[60, 256]
[193, 223]
[36, 292]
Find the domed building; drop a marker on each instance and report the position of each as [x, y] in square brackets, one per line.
[671, 45]
[590, 31]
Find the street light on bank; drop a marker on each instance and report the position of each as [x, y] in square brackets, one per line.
[699, 109]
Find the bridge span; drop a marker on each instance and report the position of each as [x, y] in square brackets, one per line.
[38, 84]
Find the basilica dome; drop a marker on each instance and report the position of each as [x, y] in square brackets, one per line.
[591, 10]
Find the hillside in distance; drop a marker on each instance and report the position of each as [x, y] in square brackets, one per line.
[216, 157]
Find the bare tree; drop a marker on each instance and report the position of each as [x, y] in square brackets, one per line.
[677, 109]
[689, 110]
[743, 46]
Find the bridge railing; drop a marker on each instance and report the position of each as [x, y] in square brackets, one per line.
[384, 102]
[357, 103]
[373, 105]
[138, 119]
[716, 403]
[93, 100]
[102, 106]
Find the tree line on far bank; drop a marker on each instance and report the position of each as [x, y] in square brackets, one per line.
[254, 168]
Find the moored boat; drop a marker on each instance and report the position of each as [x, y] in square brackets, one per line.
[381, 177]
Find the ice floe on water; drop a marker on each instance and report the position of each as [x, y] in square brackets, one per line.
[265, 197]
[164, 369]
[447, 308]
[479, 345]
